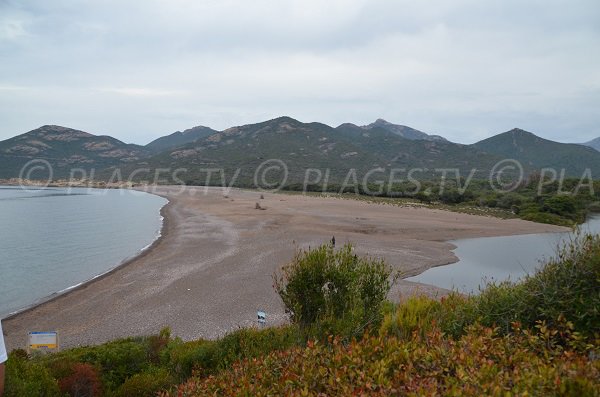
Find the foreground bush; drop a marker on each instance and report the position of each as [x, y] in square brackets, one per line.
[328, 291]
[138, 367]
[147, 383]
[418, 315]
[482, 362]
[208, 357]
[26, 378]
[83, 381]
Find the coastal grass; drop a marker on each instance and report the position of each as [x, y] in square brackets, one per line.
[538, 336]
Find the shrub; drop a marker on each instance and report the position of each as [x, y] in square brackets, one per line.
[562, 205]
[116, 360]
[544, 217]
[83, 381]
[183, 357]
[156, 343]
[119, 360]
[28, 378]
[419, 314]
[147, 383]
[509, 200]
[333, 291]
[208, 357]
[479, 363]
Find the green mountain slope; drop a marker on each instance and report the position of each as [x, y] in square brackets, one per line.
[179, 138]
[65, 149]
[398, 152]
[301, 146]
[537, 153]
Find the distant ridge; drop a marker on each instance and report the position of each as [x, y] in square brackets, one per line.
[536, 152]
[179, 138]
[403, 131]
[316, 146]
[300, 145]
[65, 148]
[594, 143]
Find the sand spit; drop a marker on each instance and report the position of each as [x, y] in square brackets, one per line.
[212, 268]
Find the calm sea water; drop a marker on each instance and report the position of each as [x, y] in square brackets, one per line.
[55, 238]
[497, 259]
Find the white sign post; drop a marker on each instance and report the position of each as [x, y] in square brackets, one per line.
[43, 341]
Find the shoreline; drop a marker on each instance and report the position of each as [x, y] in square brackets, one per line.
[66, 291]
[211, 266]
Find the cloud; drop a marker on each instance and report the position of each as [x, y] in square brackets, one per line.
[464, 69]
[140, 92]
[12, 88]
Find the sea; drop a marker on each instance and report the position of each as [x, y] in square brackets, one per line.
[54, 239]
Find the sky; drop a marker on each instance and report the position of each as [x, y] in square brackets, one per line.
[465, 69]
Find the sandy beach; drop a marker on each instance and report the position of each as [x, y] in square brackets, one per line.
[212, 269]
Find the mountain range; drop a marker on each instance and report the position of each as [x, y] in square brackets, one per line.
[333, 151]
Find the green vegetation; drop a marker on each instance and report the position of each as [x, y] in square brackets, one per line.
[136, 367]
[334, 292]
[539, 336]
[479, 363]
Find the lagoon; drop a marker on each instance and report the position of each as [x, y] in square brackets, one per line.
[498, 258]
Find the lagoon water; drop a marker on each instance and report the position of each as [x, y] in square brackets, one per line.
[55, 238]
[497, 259]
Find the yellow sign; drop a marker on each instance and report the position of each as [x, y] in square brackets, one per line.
[43, 340]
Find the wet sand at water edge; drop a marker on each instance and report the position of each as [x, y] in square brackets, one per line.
[212, 268]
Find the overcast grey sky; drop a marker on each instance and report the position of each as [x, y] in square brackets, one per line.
[137, 70]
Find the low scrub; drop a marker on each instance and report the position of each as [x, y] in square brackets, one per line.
[207, 357]
[481, 362]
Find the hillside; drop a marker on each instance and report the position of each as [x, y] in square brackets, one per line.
[305, 146]
[399, 152]
[537, 153]
[179, 138]
[300, 145]
[65, 149]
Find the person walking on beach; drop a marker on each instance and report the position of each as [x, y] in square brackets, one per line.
[3, 358]
[333, 241]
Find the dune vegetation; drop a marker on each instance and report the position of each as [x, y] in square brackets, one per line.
[538, 198]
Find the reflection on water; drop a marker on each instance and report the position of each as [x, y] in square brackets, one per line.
[497, 258]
